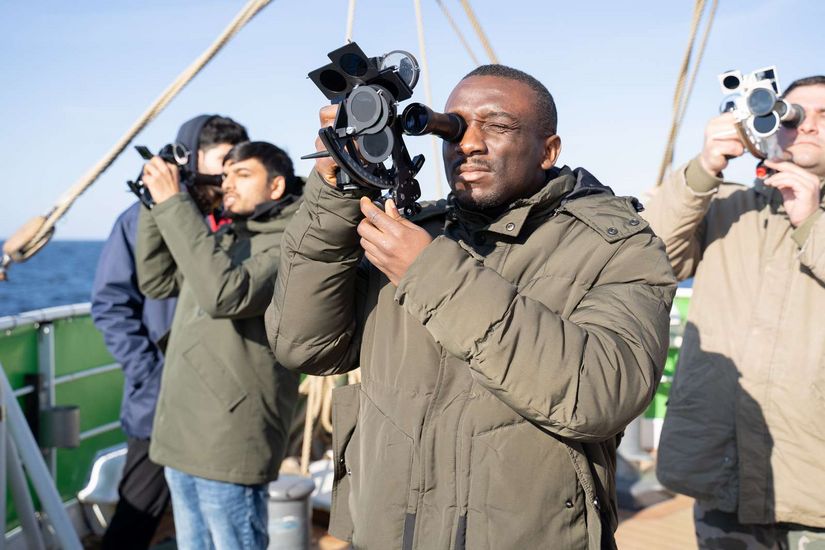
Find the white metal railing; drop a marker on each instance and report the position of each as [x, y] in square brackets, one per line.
[45, 315]
[41, 320]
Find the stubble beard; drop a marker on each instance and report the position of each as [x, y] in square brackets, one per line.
[491, 200]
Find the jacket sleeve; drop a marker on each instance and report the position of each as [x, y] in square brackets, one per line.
[222, 288]
[584, 377]
[117, 305]
[157, 272]
[676, 212]
[810, 237]
[315, 321]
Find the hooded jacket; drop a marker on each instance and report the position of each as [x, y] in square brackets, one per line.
[496, 378]
[134, 327]
[225, 403]
[743, 431]
[189, 135]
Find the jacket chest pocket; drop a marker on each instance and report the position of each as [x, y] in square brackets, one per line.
[523, 492]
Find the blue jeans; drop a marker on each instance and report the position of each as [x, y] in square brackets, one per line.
[215, 515]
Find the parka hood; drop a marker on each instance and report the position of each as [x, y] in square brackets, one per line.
[189, 134]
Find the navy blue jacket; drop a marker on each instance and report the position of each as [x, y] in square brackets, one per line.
[133, 325]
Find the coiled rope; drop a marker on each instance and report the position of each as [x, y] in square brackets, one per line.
[318, 391]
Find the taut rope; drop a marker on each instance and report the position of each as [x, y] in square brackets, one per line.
[350, 20]
[479, 31]
[682, 93]
[36, 232]
[457, 31]
[428, 94]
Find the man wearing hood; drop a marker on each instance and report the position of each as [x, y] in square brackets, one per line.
[135, 328]
[505, 336]
[225, 404]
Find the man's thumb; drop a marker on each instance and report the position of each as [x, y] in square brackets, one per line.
[391, 211]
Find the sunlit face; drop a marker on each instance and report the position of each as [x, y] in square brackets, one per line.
[210, 162]
[503, 154]
[246, 185]
[807, 142]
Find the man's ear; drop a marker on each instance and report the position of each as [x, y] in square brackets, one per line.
[552, 149]
[278, 188]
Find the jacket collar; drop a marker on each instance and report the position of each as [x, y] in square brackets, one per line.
[563, 184]
[264, 219]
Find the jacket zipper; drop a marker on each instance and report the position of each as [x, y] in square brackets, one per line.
[459, 447]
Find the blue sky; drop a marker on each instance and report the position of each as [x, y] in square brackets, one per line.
[76, 75]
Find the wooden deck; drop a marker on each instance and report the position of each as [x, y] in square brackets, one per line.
[664, 526]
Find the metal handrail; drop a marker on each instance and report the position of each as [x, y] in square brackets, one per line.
[42, 320]
[102, 429]
[44, 315]
[86, 373]
[25, 390]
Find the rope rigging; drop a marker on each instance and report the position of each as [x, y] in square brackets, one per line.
[350, 21]
[428, 94]
[479, 31]
[34, 234]
[683, 91]
[457, 31]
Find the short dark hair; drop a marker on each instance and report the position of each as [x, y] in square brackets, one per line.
[545, 105]
[274, 159]
[807, 81]
[221, 129]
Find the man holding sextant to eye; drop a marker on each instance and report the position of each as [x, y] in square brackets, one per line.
[505, 336]
[225, 404]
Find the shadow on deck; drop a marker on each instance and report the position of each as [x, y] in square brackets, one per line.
[664, 526]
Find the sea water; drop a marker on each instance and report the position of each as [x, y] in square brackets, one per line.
[61, 273]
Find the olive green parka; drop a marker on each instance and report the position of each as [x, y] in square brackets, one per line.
[225, 404]
[496, 379]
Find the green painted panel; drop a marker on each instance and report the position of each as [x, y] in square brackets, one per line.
[657, 407]
[18, 353]
[12, 520]
[78, 346]
[659, 404]
[74, 465]
[682, 303]
[97, 396]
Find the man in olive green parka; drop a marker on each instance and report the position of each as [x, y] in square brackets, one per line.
[505, 337]
[225, 404]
